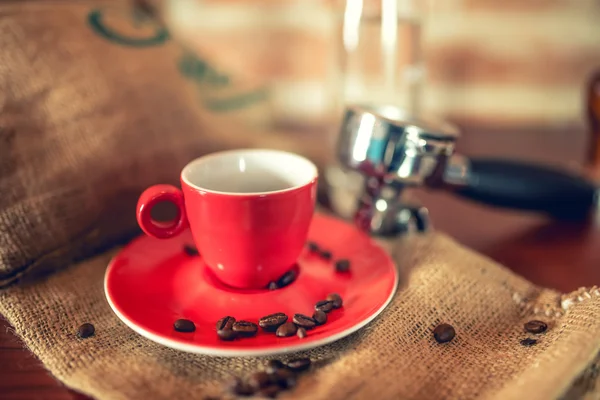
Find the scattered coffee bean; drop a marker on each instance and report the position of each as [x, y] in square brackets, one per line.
[342, 265]
[528, 342]
[241, 388]
[86, 330]
[270, 392]
[227, 334]
[274, 365]
[286, 330]
[444, 333]
[184, 325]
[285, 378]
[271, 322]
[190, 250]
[301, 333]
[259, 380]
[320, 317]
[273, 286]
[225, 323]
[245, 328]
[304, 321]
[536, 326]
[312, 246]
[324, 305]
[299, 364]
[287, 278]
[335, 299]
[325, 254]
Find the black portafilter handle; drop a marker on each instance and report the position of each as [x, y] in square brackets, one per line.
[528, 187]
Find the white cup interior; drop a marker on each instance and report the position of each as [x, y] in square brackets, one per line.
[250, 171]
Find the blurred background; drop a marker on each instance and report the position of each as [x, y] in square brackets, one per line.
[512, 62]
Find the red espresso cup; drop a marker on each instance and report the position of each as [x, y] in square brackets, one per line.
[249, 212]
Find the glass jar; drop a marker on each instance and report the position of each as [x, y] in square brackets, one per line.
[382, 63]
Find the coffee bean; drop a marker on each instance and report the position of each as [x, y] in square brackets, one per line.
[536, 326]
[227, 334]
[304, 321]
[444, 333]
[325, 254]
[299, 364]
[184, 325]
[301, 333]
[274, 365]
[312, 246]
[270, 392]
[245, 328]
[272, 286]
[241, 388]
[320, 317]
[342, 265]
[335, 299]
[271, 322]
[86, 330]
[259, 380]
[225, 323]
[286, 330]
[528, 342]
[324, 305]
[285, 378]
[190, 250]
[287, 278]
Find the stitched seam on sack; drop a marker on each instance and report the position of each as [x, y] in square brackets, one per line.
[12, 277]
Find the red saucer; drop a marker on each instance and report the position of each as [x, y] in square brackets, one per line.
[151, 283]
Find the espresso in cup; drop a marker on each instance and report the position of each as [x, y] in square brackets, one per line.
[249, 212]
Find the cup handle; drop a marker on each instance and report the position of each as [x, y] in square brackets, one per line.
[152, 196]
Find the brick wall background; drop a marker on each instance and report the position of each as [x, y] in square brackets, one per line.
[506, 62]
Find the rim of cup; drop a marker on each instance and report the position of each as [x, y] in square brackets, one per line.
[300, 170]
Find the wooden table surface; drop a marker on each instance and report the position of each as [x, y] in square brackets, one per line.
[557, 255]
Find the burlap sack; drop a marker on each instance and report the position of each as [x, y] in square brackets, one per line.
[96, 103]
[395, 357]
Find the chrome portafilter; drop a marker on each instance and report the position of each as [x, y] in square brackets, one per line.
[393, 151]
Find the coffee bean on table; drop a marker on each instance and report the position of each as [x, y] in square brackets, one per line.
[184, 325]
[190, 250]
[528, 342]
[259, 380]
[270, 391]
[271, 322]
[226, 334]
[225, 323]
[320, 317]
[444, 333]
[274, 365]
[301, 333]
[342, 265]
[299, 364]
[325, 254]
[245, 328]
[536, 326]
[285, 378]
[335, 299]
[304, 321]
[286, 330]
[287, 278]
[86, 330]
[272, 286]
[324, 305]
